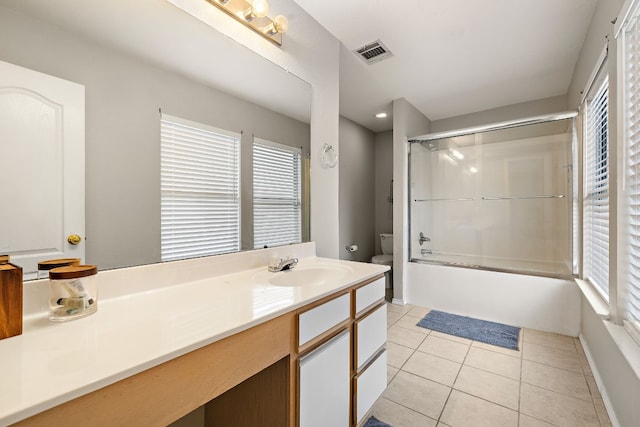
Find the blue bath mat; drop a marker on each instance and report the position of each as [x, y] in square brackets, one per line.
[474, 329]
[374, 422]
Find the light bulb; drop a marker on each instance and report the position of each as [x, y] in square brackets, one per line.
[281, 24]
[260, 8]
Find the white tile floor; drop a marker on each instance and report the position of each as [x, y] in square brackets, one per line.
[441, 380]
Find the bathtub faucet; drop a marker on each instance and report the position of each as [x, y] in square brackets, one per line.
[422, 238]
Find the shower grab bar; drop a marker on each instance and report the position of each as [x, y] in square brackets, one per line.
[543, 196]
[467, 199]
[470, 199]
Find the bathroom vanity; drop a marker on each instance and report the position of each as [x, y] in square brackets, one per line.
[304, 347]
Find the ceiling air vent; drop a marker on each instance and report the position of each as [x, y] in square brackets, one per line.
[373, 52]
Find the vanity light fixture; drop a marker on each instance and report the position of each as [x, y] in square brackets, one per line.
[279, 25]
[253, 14]
[258, 9]
[381, 115]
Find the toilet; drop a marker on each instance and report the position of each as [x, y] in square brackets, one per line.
[386, 243]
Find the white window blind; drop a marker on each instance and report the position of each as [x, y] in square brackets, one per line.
[632, 169]
[200, 186]
[596, 199]
[276, 194]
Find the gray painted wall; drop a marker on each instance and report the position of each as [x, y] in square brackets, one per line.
[618, 383]
[123, 95]
[383, 178]
[407, 122]
[601, 26]
[357, 190]
[510, 112]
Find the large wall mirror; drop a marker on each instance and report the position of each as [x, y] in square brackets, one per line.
[139, 62]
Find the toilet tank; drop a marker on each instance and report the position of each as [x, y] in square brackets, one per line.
[386, 243]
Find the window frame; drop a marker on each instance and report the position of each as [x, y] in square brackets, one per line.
[596, 191]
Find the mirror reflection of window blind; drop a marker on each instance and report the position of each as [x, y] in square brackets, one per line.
[632, 171]
[200, 190]
[276, 194]
[596, 200]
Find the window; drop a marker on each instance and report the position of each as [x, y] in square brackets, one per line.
[632, 171]
[596, 198]
[200, 186]
[276, 194]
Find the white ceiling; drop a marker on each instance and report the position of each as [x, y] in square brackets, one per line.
[162, 34]
[453, 57]
[450, 57]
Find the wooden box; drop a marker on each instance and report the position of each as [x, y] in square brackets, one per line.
[10, 300]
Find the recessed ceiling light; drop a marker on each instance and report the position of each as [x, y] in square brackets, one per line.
[381, 115]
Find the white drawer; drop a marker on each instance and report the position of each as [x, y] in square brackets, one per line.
[322, 318]
[370, 384]
[324, 384]
[368, 294]
[371, 333]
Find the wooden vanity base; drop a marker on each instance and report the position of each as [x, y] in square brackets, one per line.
[163, 394]
[249, 379]
[262, 400]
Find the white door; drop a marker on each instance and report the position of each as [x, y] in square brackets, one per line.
[324, 384]
[41, 167]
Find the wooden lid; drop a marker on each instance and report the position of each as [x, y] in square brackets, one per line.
[72, 272]
[55, 263]
[4, 259]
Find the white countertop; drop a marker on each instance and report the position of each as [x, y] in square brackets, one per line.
[52, 363]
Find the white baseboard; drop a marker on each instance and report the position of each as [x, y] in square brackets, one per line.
[398, 301]
[598, 379]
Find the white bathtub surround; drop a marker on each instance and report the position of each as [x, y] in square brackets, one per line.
[541, 303]
[495, 197]
[146, 316]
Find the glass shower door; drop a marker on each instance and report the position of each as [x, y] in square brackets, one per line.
[498, 199]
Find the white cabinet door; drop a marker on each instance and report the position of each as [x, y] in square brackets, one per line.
[324, 384]
[371, 333]
[41, 166]
[370, 384]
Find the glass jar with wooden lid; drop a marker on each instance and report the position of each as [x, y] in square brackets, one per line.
[45, 266]
[73, 292]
